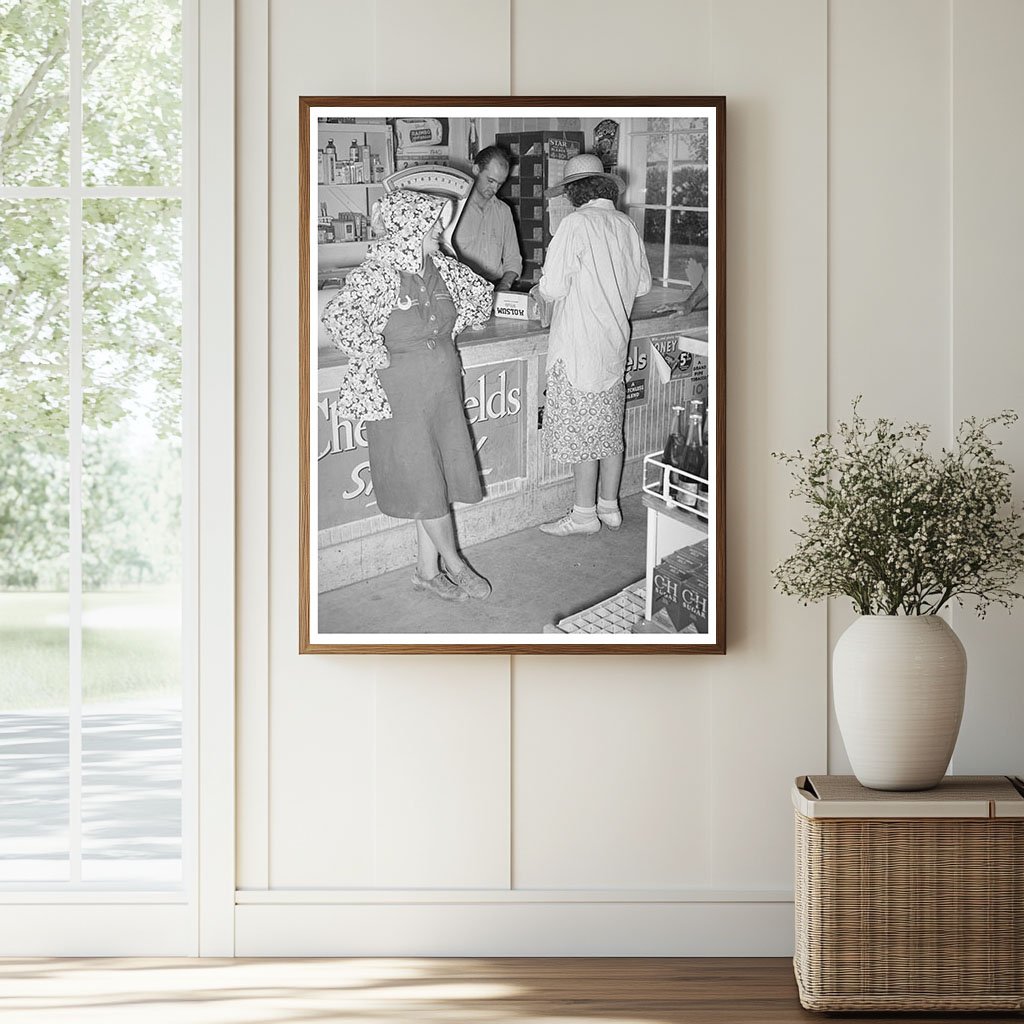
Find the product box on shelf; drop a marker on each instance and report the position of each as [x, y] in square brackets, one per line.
[680, 583]
[421, 131]
[344, 229]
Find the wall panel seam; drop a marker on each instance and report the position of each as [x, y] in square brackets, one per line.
[253, 426]
[510, 711]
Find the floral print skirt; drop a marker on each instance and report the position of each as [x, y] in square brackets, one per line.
[582, 425]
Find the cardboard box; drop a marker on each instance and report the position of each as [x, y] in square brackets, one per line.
[515, 306]
[680, 585]
[420, 131]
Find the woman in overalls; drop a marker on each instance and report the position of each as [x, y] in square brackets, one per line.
[396, 319]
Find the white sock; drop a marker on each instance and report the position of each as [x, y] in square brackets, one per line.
[607, 506]
[584, 515]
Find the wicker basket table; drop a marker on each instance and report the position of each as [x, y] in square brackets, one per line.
[910, 901]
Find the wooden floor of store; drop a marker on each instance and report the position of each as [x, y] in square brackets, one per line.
[413, 991]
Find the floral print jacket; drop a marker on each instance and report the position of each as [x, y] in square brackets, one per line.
[356, 317]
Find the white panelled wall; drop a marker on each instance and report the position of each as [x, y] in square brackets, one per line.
[986, 336]
[626, 805]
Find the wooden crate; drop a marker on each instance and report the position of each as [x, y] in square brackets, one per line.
[618, 614]
[910, 901]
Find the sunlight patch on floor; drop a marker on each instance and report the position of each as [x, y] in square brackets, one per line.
[218, 991]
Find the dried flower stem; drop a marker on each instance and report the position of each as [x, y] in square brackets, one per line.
[899, 530]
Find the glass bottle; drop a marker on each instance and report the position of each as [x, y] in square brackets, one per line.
[675, 437]
[672, 457]
[331, 161]
[694, 455]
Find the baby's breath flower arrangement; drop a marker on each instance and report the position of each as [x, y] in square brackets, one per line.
[899, 530]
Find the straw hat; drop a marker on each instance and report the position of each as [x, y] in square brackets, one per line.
[586, 165]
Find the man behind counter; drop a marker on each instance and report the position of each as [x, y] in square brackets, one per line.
[485, 237]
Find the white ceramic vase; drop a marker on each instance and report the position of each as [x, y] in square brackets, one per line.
[898, 685]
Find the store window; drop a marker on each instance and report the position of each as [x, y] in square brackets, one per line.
[94, 450]
[668, 194]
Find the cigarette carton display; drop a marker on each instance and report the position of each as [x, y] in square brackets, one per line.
[542, 155]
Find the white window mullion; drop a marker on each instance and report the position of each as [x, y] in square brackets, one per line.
[135, 192]
[662, 206]
[34, 192]
[190, 454]
[75, 300]
[95, 191]
[668, 207]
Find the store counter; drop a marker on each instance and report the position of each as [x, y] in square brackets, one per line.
[505, 368]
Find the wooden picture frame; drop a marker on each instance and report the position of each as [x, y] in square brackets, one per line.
[355, 561]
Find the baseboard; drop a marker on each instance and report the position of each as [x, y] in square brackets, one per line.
[515, 928]
[98, 929]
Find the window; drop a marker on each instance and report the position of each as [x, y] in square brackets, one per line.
[95, 456]
[668, 195]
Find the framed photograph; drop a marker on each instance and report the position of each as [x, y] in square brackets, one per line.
[512, 375]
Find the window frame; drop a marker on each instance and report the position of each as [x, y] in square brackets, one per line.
[75, 918]
[637, 180]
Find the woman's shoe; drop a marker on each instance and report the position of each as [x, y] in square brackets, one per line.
[470, 582]
[440, 586]
[568, 525]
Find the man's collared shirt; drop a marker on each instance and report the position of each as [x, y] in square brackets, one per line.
[595, 267]
[485, 239]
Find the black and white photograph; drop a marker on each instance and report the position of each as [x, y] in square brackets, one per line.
[511, 375]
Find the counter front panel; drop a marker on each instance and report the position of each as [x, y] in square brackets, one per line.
[504, 383]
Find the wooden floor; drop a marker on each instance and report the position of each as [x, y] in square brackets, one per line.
[413, 991]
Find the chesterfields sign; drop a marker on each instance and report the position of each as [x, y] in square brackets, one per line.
[494, 410]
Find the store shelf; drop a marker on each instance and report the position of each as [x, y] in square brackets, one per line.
[672, 490]
[350, 184]
[677, 548]
[333, 255]
[344, 125]
[680, 515]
